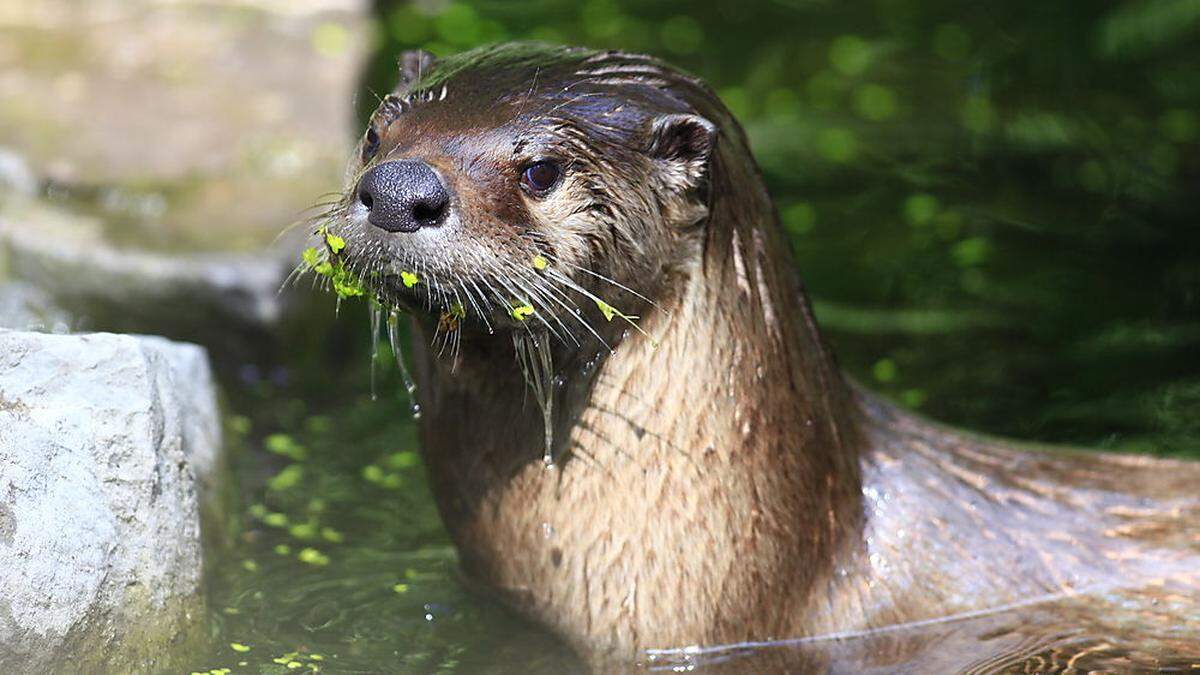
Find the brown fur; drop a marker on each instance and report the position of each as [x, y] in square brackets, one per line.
[718, 481]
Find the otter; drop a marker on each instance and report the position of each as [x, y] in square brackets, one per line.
[633, 429]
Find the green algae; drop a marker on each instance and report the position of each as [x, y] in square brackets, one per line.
[312, 556]
[520, 311]
[344, 282]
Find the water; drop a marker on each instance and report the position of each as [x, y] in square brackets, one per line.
[1054, 634]
[533, 353]
[339, 551]
[994, 209]
[396, 342]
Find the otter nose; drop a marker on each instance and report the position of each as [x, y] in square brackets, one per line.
[403, 196]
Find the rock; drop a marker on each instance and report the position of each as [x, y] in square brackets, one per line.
[196, 393]
[228, 302]
[105, 443]
[151, 152]
[26, 307]
[15, 174]
[187, 124]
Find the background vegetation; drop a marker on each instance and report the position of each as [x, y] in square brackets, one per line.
[995, 206]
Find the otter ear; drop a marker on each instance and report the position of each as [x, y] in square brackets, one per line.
[413, 63]
[682, 145]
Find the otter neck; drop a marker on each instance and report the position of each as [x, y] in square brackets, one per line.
[699, 481]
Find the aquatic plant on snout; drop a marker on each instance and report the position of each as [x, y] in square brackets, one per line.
[527, 306]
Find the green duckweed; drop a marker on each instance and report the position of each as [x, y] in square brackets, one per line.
[306, 531]
[335, 243]
[275, 519]
[312, 556]
[286, 479]
[609, 311]
[521, 311]
[344, 282]
[283, 444]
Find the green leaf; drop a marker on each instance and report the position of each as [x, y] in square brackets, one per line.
[311, 257]
[336, 243]
[609, 311]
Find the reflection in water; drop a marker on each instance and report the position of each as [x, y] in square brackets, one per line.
[1073, 632]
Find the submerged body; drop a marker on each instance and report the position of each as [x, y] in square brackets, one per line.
[703, 475]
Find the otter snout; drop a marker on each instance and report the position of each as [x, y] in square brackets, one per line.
[403, 196]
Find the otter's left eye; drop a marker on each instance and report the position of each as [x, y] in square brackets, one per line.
[370, 144]
[540, 177]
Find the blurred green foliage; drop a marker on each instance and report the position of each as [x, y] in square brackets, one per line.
[1023, 178]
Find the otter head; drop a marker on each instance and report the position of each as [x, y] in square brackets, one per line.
[528, 185]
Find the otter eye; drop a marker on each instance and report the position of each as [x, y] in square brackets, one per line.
[370, 144]
[540, 177]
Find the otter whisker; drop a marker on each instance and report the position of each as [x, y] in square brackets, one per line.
[569, 283]
[292, 278]
[340, 198]
[422, 274]
[516, 294]
[378, 98]
[608, 280]
[554, 294]
[444, 291]
[496, 295]
[328, 216]
[534, 289]
[478, 309]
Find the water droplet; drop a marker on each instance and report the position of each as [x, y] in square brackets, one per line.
[376, 317]
[533, 355]
[393, 328]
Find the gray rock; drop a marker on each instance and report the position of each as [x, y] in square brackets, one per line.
[224, 301]
[212, 123]
[103, 442]
[15, 174]
[26, 307]
[151, 152]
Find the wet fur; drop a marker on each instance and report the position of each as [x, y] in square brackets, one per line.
[717, 479]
